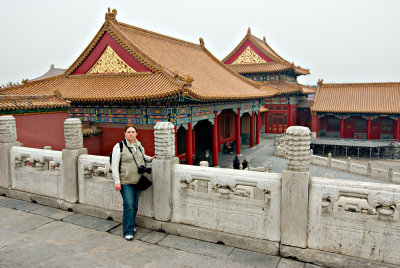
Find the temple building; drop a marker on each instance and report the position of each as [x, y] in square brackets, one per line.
[131, 75]
[254, 59]
[363, 111]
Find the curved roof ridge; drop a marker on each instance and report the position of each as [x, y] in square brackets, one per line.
[158, 34]
[260, 43]
[361, 84]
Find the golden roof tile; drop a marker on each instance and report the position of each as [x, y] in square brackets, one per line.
[286, 87]
[14, 103]
[171, 60]
[211, 79]
[109, 87]
[379, 98]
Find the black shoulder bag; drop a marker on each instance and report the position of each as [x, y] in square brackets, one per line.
[144, 182]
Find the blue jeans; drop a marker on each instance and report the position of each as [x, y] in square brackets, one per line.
[130, 196]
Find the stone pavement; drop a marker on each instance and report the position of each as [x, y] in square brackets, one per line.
[32, 235]
[263, 155]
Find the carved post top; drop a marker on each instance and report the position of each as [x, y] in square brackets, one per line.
[164, 140]
[298, 131]
[8, 129]
[163, 125]
[298, 148]
[73, 134]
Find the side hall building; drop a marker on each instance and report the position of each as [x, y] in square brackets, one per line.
[131, 75]
[363, 111]
[254, 59]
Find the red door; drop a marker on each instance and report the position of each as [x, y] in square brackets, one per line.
[348, 132]
[375, 129]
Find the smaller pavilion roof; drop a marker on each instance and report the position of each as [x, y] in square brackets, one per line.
[276, 63]
[285, 87]
[14, 103]
[377, 98]
[51, 72]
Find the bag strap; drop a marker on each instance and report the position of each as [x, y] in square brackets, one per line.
[131, 153]
[121, 146]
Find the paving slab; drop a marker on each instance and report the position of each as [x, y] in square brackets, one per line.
[288, 263]
[153, 237]
[54, 213]
[20, 222]
[310, 265]
[18, 204]
[196, 246]
[91, 222]
[62, 244]
[253, 259]
[9, 237]
[140, 232]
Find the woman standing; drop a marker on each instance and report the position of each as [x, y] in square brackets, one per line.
[125, 163]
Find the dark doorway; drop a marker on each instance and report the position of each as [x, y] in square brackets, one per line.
[203, 141]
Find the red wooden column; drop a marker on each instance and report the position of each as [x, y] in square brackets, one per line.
[314, 125]
[176, 141]
[342, 127]
[194, 142]
[252, 129]
[258, 127]
[397, 129]
[369, 128]
[289, 123]
[238, 131]
[266, 122]
[189, 142]
[215, 140]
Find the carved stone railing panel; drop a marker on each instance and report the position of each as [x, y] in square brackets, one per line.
[355, 218]
[8, 130]
[96, 186]
[37, 171]
[242, 202]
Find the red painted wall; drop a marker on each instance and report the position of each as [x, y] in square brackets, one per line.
[39, 130]
[111, 135]
[92, 144]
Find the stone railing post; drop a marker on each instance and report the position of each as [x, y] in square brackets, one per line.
[73, 148]
[8, 138]
[164, 141]
[295, 182]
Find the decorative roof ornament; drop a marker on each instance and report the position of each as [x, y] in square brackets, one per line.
[57, 93]
[111, 15]
[320, 81]
[249, 31]
[201, 41]
[188, 80]
[264, 39]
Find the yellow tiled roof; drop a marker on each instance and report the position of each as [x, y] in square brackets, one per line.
[110, 87]
[212, 80]
[178, 67]
[13, 103]
[285, 87]
[279, 64]
[381, 98]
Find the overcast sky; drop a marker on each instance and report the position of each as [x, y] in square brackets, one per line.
[339, 41]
